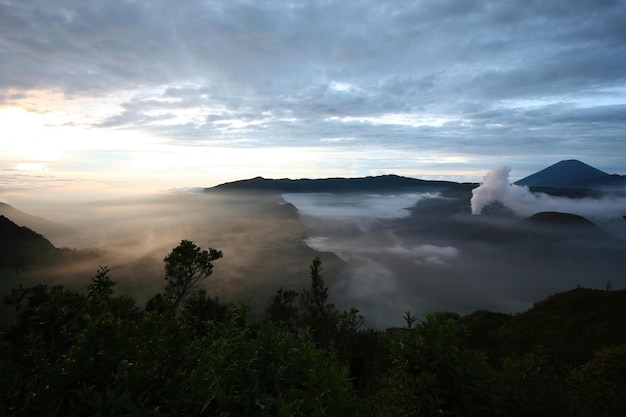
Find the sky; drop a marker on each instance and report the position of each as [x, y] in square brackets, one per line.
[101, 97]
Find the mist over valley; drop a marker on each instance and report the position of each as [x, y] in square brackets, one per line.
[417, 246]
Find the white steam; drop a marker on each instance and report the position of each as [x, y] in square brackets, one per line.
[519, 199]
[496, 188]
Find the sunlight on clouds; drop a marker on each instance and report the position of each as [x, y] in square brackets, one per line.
[209, 165]
[438, 159]
[602, 97]
[223, 160]
[344, 87]
[50, 133]
[337, 139]
[41, 140]
[48, 126]
[399, 119]
[29, 166]
[534, 103]
[175, 117]
[407, 158]
[27, 135]
[239, 124]
[62, 109]
[606, 97]
[429, 166]
[50, 136]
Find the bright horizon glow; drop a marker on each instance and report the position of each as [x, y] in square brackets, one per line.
[131, 96]
[37, 142]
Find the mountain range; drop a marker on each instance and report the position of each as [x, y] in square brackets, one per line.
[566, 174]
[329, 185]
[17, 226]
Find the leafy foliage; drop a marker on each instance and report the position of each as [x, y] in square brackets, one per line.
[185, 267]
[99, 354]
[432, 373]
[328, 325]
[187, 353]
[599, 385]
[101, 287]
[553, 327]
[283, 309]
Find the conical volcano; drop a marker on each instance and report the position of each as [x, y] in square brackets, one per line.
[567, 174]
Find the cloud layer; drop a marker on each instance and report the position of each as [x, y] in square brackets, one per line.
[447, 86]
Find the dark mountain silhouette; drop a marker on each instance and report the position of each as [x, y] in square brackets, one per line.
[565, 225]
[328, 185]
[566, 327]
[543, 229]
[565, 175]
[558, 219]
[20, 241]
[569, 326]
[57, 232]
[572, 174]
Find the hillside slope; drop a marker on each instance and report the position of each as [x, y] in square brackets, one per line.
[58, 233]
[569, 326]
[20, 241]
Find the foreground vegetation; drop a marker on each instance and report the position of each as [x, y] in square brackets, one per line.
[186, 353]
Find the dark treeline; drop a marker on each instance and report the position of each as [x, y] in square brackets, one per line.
[186, 353]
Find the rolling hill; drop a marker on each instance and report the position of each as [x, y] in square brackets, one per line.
[564, 226]
[556, 325]
[564, 328]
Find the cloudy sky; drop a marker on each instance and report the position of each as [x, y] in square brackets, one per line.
[194, 93]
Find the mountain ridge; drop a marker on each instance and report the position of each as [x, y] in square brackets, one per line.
[336, 184]
[56, 232]
[20, 240]
[570, 174]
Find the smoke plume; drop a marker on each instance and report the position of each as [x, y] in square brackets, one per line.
[520, 200]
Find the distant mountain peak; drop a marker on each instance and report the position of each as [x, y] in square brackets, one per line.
[570, 173]
[577, 166]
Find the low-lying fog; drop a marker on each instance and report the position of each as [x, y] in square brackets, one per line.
[260, 236]
[355, 207]
[381, 253]
[425, 252]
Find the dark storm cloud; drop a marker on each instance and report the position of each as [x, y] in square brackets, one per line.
[311, 72]
[255, 42]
